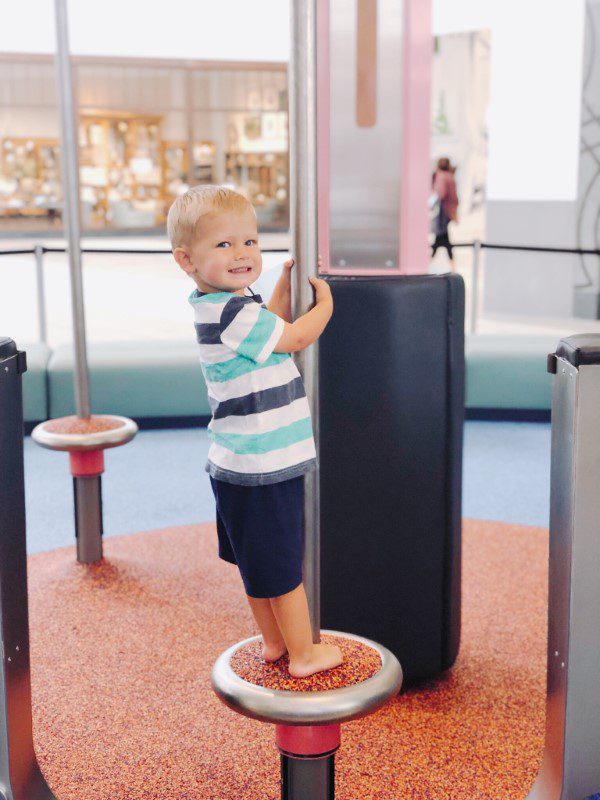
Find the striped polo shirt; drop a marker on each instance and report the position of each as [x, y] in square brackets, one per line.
[261, 430]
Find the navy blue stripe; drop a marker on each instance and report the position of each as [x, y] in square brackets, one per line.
[208, 332]
[265, 400]
[232, 309]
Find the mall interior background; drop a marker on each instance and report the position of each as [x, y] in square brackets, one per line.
[185, 103]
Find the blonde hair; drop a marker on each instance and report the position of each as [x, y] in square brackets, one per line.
[187, 210]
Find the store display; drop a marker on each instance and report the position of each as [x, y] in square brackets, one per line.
[175, 167]
[120, 170]
[264, 177]
[29, 178]
[134, 160]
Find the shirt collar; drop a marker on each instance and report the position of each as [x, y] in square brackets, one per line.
[253, 296]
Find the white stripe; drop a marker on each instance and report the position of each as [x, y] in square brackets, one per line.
[216, 353]
[272, 341]
[263, 421]
[241, 325]
[254, 381]
[208, 312]
[264, 462]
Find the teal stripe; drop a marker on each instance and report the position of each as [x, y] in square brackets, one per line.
[213, 297]
[259, 335]
[253, 444]
[240, 365]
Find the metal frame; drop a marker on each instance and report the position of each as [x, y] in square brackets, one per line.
[570, 767]
[20, 774]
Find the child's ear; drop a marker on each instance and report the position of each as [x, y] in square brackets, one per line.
[182, 257]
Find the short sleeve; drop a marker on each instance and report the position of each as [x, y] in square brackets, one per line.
[249, 329]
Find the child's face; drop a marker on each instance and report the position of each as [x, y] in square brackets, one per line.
[225, 256]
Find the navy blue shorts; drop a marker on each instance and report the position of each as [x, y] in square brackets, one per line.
[261, 529]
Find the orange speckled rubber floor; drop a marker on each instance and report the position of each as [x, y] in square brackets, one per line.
[123, 708]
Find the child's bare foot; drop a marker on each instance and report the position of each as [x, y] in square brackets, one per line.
[323, 656]
[273, 652]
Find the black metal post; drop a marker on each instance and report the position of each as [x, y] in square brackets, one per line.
[307, 778]
[20, 775]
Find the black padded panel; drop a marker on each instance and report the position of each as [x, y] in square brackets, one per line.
[391, 413]
[580, 349]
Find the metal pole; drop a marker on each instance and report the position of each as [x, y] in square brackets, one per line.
[475, 286]
[303, 223]
[41, 294]
[189, 95]
[70, 179]
[303, 778]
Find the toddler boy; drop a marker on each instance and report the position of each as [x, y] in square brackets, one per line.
[261, 431]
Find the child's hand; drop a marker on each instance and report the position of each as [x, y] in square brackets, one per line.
[322, 291]
[290, 263]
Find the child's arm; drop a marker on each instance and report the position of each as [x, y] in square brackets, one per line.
[281, 299]
[307, 328]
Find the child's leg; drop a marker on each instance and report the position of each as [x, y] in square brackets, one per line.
[306, 658]
[273, 643]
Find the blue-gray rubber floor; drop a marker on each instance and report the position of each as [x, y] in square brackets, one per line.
[158, 480]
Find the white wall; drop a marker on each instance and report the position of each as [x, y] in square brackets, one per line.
[533, 153]
[533, 118]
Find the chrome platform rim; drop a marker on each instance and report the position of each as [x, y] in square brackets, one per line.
[99, 440]
[307, 708]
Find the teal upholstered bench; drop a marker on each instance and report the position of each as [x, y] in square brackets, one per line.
[508, 372]
[506, 375]
[135, 379]
[35, 391]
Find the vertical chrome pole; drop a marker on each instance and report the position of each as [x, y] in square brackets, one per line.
[303, 219]
[41, 294]
[70, 180]
[189, 101]
[87, 490]
[475, 285]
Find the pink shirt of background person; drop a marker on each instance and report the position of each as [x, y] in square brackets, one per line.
[444, 186]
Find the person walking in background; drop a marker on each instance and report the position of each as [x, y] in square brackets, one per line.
[443, 187]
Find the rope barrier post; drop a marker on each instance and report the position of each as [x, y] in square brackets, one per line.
[475, 286]
[41, 293]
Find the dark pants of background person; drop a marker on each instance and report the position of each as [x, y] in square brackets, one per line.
[441, 234]
[442, 240]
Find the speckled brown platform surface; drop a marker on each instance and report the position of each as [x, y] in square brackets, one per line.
[74, 425]
[360, 663]
[123, 708]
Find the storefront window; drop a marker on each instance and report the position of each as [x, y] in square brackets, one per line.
[146, 133]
